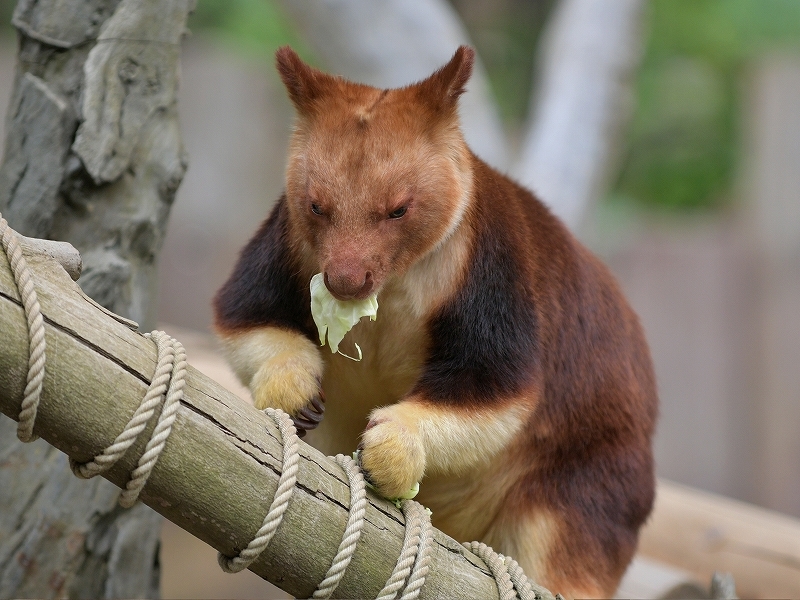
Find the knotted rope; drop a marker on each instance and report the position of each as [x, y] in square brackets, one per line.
[167, 384]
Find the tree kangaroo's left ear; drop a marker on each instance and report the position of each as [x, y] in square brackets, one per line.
[441, 90]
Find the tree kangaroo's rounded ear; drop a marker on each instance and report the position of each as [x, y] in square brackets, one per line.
[441, 90]
[304, 83]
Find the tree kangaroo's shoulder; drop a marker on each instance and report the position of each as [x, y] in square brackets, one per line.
[266, 286]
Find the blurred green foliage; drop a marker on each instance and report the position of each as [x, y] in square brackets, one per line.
[255, 27]
[6, 10]
[683, 145]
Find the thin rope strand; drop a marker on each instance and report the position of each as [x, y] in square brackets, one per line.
[497, 567]
[137, 423]
[163, 427]
[407, 557]
[36, 343]
[421, 565]
[520, 580]
[286, 486]
[352, 533]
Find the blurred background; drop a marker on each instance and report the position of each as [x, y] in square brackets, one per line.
[698, 215]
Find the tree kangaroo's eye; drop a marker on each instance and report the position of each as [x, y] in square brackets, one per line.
[398, 212]
[316, 209]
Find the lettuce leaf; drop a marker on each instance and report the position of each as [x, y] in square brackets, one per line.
[334, 318]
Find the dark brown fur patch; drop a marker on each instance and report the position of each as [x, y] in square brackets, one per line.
[265, 287]
[484, 338]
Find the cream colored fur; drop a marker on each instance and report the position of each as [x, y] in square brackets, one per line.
[528, 540]
[406, 439]
[282, 368]
[394, 346]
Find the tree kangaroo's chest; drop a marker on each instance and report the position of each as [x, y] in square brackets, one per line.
[393, 351]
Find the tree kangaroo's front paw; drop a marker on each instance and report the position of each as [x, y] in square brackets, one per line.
[392, 457]
[291, 388]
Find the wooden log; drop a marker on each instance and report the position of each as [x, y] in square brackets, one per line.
[63, 253]
[703, 532]
[220, 467]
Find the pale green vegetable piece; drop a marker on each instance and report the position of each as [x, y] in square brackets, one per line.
[408, 495]
[336, 317]
[398, 502]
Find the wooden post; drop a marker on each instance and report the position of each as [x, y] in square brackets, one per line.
[220, 467]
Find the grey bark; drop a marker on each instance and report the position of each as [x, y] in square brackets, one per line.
[585, 65]
[220, 467]
[393, 43]
[92, 155]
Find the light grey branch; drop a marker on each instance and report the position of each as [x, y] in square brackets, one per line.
[586, 62]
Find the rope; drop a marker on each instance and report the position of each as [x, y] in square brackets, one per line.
[421, 565]
[169, 380]
[511, 581]
[352, 533]
[280, 502]
[174, 349]
[33, 315]
[412, 565]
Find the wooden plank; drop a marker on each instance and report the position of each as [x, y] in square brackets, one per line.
[219, 469]
[703, 532]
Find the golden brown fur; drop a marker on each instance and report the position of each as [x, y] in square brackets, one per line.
[505, 366]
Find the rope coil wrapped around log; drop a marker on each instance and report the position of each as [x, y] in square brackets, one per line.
[166, 387]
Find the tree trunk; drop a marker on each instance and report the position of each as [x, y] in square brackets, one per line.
[93, 156]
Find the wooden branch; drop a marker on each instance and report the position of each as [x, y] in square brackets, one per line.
[704, 532]
[63, 253]
[219, 469]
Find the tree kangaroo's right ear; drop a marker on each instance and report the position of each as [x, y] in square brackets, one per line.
[305, 84]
